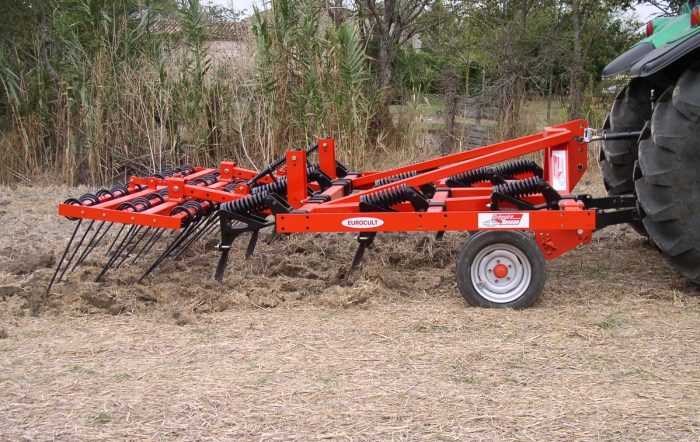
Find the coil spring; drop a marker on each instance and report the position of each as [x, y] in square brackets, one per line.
[193, 211]
[231, 187]
[207, 180]
[395, 178]
[104, 192]
[520, 188]
[386, 197]
[251, 204]
[185, 169]
[119, 190]
[519, 167]
[509, 169]
[279, 187]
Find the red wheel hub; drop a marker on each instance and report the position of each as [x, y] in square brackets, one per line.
[500, 271]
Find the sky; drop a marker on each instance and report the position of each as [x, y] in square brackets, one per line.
[643, 11]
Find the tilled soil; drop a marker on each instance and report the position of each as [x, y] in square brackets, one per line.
[288, 348]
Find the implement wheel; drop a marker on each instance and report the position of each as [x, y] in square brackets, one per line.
[501, 269]
[669, 185]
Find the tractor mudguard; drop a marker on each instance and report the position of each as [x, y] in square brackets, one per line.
[624, 62]
[671, 42]
[665, 56]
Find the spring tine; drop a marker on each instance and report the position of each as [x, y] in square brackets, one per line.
[126, 255]
[208, 227]
[221, 266]
[96, 243]
[65, 252]
[80, 243]
[148, 244]
[168, 250]
[89, 246]
[115, 239]
[272, 237]
[439, 235]
[118, 251]
[357, 260]
[252, 243]
[365, 240]
[192, 237]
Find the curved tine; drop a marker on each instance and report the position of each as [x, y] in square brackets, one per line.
[65, 252]
[118, 251]
[88, 246]
[126, 255]
[114, 241]
[75, 251]
[148, 244]
[175, 242]
[204, 230]
[97, 242]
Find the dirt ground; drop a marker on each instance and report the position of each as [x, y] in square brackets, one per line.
[283, 350]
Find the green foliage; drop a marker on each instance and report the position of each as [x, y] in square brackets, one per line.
[316, 77]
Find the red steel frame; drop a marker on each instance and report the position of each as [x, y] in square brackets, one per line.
[556, 231]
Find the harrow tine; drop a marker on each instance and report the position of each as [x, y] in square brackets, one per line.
[439, 235]
[126, 255]
[149, 243]
[118, 251]
[75, 251]
[111, 246]
[205, 229]
[90, 245]
[98, 241]
[65, 252]
[168, 250]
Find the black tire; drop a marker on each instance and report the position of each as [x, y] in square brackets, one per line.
[513, 250]
[630, 111]
[669, 188]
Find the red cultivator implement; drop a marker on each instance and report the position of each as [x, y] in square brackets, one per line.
[482, 191]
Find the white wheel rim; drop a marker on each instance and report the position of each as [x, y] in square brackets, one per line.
[489, 279]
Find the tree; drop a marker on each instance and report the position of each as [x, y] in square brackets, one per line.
[391, 24]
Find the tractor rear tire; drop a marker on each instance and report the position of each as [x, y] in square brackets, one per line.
[630, 110]
[669, 185]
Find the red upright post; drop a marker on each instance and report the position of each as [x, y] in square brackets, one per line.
[326, 156]
[296, 177]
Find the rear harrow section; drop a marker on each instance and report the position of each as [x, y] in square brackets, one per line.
[525, 212]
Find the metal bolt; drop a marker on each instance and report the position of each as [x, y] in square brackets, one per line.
[294, 157]
[176, 188]
[580, 231]
[227, 170]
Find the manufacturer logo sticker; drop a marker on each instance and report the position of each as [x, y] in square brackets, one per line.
[500, 220]
[559, 170]
[362, 222]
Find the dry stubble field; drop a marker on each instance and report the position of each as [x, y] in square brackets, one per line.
[282, 351]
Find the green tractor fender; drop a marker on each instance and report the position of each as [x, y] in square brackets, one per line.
[673, 43]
